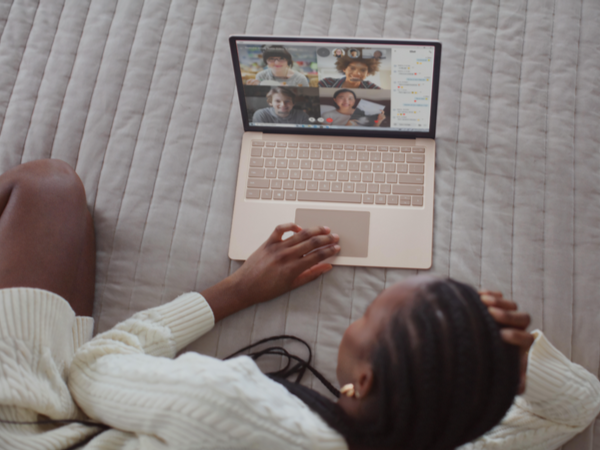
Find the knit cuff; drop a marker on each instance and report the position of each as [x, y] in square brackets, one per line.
[548, 370]
[37, 316]
[188, 317]
[83, 330]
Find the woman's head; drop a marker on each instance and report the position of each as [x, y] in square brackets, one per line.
[344, 98]
[357, 69]
[277, 55]
[429, 368]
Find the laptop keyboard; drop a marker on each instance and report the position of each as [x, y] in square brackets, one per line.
[336, 173]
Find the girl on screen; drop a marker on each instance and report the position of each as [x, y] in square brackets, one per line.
[345, 110]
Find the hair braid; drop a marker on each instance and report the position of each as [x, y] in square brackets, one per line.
[442, 375]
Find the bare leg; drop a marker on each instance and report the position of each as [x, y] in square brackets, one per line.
[46, 233]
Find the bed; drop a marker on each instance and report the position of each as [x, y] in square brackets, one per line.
[139, 97]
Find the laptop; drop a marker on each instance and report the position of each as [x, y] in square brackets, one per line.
[338, 132]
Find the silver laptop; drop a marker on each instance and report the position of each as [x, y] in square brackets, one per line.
[338, 132]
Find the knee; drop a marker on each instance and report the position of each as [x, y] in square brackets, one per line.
[50, 180]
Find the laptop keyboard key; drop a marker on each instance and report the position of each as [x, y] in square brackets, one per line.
[278, 195]
[405, 200]
[415, 158]
[252, 193]
[257, 173]
[258, 143]
[258, 183]
[329, 197]
[411, 179]
[380, 199]
[392, 199]
[290, 195]
[407, 190]
[368, 199]
[417, 200]
[266, 194]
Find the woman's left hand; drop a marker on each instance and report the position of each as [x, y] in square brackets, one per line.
[514, 324]
[278, 266]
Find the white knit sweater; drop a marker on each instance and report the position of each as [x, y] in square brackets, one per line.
[127, 378]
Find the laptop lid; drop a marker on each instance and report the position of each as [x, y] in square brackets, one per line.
[332, 86]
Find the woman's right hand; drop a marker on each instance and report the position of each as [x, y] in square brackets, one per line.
[514, 325]
[278, 266]
[253, 81]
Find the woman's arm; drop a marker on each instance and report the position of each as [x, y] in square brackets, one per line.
[126, 378]
[560, 400]
[278, 266]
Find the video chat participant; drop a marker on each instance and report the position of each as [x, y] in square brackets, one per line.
[281, 109]
[355, 71]
[279, 64]
[345, 106]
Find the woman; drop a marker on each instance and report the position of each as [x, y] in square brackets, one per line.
[355, 71]
[279, 71]
[425, 368]
[345, 101]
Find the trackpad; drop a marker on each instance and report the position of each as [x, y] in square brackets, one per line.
[351, 226]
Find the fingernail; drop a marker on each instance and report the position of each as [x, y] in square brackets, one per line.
[487, 298]
[335, 235]
[336, 248]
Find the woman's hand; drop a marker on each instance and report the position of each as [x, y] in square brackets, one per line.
[513, 325]
[253, 81]
[380, 118]
[278, 266]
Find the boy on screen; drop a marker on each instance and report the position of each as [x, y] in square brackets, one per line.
[281, 109]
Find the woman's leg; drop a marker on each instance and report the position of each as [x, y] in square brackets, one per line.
[47, 233]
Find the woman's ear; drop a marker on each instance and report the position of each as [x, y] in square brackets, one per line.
[364, 383]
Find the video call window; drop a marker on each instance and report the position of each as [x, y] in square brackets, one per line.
[281, 104]
[336, 86]
[354, 67]
[355, 107]
[277, 65]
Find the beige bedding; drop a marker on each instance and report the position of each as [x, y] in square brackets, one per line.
[139, 97]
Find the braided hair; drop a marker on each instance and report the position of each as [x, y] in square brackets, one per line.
[442, 375]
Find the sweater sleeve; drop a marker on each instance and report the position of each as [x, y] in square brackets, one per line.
[126, 378]
[561, 400]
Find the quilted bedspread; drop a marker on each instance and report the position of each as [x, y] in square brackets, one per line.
[139, 97]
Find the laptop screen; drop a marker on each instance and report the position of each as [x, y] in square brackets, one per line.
[337, 86]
